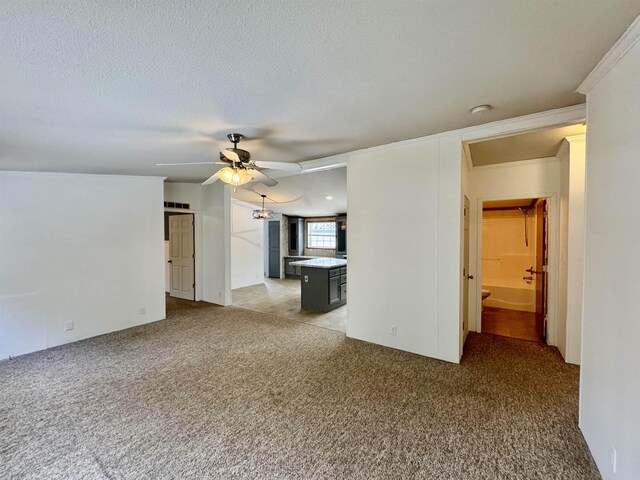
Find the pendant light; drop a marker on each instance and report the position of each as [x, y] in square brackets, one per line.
[262, 214]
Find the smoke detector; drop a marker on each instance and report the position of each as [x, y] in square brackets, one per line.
[480, 109]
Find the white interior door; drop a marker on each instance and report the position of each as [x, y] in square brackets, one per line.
[182, 256]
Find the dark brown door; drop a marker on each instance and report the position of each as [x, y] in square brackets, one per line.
[540, 268]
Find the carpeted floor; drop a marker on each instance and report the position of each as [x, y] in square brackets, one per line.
[228, 393]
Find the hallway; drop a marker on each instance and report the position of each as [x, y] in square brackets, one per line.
[510, 323]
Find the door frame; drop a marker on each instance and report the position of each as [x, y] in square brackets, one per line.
[197, 250]
[552, 268]
[467, 276]
[193, 236]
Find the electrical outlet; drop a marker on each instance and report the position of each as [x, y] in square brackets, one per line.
[394, 330]
[306, 279]
[142, 310]
[219, 294]
[614, 460]
[68, 326]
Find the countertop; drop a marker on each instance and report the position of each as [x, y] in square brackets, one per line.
[300, 256]
[321, 262]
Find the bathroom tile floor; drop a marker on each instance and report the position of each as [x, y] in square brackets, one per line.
[510, 323]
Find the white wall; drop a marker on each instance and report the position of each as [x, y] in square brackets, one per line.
[610, 383]
[216, 243]
[404, 246]
[527, 179]
[575, 251]
[563, 243]
[212, 214]
[76, 248]
[247, 247]
[186, 193]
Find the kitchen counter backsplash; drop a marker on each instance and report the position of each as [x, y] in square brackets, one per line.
[319, 252]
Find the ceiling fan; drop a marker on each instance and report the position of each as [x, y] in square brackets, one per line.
[239, 168]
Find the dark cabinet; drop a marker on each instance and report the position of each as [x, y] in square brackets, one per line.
[334, 290]
[341, 236]
[296, 236]
[293, 236]
[289, 270]
[292, 271]
[323, 289]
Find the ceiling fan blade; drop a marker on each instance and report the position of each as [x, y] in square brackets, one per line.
[289, 167]
[187, 163]
[258, 176]
[213, 178]
[231, 155]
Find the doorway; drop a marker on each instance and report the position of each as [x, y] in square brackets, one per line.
[182, 256]
[514, 268]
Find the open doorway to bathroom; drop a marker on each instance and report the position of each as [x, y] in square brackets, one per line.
[514, 268]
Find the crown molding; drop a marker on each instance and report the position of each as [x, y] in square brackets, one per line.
[581, 137]
[467, 155]
[563, 151]
[501, 128]
[80, 174]
[527, 123]
[628, 39]
[316, 165]
[516, 164]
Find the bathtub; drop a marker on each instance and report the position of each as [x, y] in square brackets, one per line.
[511, 294]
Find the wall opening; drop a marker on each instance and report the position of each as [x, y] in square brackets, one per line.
[513, 268]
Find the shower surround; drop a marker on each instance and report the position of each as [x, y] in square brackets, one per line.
[506, 256]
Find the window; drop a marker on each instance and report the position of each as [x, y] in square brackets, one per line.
[321, 235]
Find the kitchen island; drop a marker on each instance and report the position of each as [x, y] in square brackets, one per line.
[323, 283]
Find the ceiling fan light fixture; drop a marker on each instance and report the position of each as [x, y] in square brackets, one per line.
[262, 214]
[234, 176]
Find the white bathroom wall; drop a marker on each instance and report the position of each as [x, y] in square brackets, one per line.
[609, 384]
[404, 246]
[505, 253]
[247, 247]
[86, 249]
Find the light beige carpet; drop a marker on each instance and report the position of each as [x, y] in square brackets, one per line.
[228, 393]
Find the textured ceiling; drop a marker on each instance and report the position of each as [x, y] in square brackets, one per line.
[301, 195]
[114, 87]
[540, 144]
